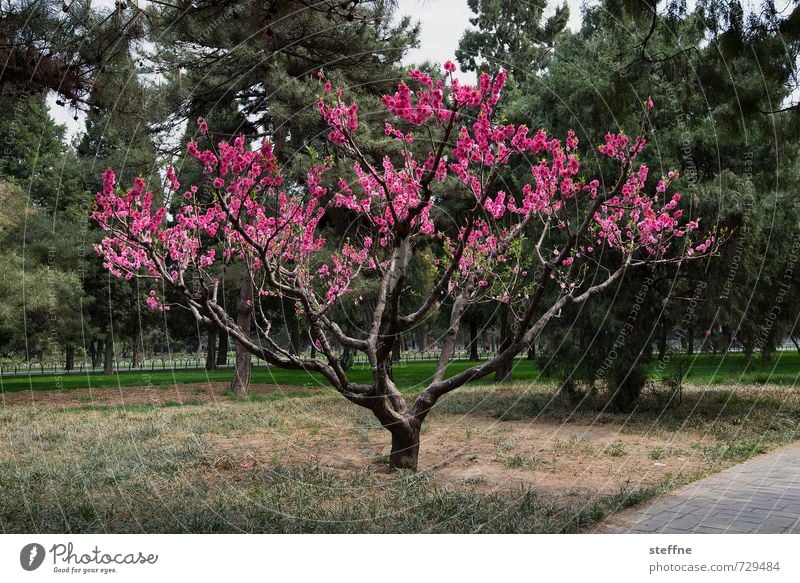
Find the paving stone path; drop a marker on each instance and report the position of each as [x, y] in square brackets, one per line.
[761, 495]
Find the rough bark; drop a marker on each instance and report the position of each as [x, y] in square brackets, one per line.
[244, 318]
[449, 341]
[405, 445]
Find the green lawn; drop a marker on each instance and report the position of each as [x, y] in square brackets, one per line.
[701, 369]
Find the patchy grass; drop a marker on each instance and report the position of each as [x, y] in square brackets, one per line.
[511, 458]
[166, 469]
[616, 449]
[749, 414]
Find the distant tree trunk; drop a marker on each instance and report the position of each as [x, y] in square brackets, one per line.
[796, 344]
[397, 349]
[662, 343]
[532, 351]
[136, 353]
[222, 352]
[422, 340]
[211, 349]
[690, 341]
[505, 372]
[96, 352]
[69, 363]
[108, 359]
[292, 327]
[473, 340]
[241, 372]
[346, 359]
[295, 342]
[766, 354]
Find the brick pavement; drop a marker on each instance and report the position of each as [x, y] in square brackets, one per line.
[761, 495]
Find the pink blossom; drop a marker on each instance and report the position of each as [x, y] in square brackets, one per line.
[276, 227]
[172, 180]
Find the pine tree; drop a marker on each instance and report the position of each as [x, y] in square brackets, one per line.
[251, 67]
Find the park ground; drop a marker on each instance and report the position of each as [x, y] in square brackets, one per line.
[175, 452]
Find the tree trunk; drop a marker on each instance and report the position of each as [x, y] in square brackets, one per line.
[97, 350]
[690, 341]
[662, 343]
[69, 357]
[473, 341]
[405, 446]
[211, 349]
[397, 350]
[222, 352]
[422, 342]
[532, 351]
[136, 352]
[108, 358]
[292, 327]
[505, 371]
[241, 372]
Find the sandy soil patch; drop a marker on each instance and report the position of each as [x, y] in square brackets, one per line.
[479, 453]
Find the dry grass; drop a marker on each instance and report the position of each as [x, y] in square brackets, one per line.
[510, 459]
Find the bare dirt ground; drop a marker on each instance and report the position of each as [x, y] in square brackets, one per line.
[481, 454]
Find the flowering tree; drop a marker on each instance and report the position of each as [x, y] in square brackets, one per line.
[508, 245]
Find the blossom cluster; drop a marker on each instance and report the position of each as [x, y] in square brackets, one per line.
[246, 210]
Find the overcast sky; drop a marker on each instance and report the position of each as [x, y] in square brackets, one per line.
[444, 21]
